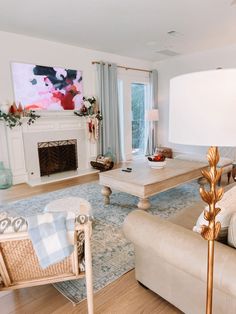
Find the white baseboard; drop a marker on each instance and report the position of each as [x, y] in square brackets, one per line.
[19, 178]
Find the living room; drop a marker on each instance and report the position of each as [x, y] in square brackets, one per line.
[118, 110]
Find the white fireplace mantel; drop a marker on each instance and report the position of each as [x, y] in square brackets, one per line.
[20, 144]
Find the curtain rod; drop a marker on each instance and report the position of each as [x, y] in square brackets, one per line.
[123, 67]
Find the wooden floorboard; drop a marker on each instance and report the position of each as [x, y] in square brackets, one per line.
[124, 296]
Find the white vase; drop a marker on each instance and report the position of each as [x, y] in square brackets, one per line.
[4, 108]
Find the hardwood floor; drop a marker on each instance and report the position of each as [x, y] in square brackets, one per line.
[124, 296]
[21, 191]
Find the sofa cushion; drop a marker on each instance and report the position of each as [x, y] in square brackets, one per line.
[228, 207]
[223, 162]
[232, 231]
[187, 217]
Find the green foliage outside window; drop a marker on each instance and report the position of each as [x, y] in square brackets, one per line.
[138, 118]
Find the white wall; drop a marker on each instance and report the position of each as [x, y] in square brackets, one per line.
[212, 59]
[19, 48]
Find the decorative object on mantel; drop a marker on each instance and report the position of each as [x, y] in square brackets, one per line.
[90, 110]
[13, 114]
[5, 177]
[93, 128]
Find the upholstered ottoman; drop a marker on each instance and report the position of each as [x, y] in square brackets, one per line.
[75, 204]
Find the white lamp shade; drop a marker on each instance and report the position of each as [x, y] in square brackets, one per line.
[203, 108]
[152, 115]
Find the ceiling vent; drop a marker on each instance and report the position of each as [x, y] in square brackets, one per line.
[172, 33]
[167, 52]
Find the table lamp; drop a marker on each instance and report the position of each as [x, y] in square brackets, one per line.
[202, 112]
[152, 115]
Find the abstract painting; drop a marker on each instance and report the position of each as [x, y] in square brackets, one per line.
[39, 87]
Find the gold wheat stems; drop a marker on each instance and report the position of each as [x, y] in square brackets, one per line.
[210, 232]
[212, 196]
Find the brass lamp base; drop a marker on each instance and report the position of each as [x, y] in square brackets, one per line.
[210, 232]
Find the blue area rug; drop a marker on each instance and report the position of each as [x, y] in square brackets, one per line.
[113, 255]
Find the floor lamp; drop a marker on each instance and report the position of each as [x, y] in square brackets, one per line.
[152, 115]
[202, 112]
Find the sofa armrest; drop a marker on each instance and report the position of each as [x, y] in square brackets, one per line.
[181, 248]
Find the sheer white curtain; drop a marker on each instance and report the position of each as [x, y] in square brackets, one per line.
[151, 129]
[109, 105]
[121, 119]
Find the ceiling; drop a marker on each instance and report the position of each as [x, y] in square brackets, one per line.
[134, 28]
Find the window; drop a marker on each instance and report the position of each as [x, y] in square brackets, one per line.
[138, 91]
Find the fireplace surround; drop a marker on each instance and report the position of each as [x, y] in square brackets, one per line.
[21, 147]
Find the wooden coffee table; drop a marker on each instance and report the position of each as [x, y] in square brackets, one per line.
[144, 181]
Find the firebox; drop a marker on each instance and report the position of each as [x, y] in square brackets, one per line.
[57, 156]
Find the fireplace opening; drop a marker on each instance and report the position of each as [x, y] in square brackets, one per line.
[57, 156]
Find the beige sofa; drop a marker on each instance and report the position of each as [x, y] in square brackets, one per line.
[225, 164]
[171, 260]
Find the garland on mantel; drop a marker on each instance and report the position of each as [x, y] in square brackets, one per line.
[13, 115]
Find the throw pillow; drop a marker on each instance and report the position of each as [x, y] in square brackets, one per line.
[228, 207]
[12, 224]
[232, 231]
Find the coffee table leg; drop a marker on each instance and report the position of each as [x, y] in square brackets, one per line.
[106, 192]
[144, 203]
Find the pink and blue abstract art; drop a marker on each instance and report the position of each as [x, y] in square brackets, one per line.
[39, 87]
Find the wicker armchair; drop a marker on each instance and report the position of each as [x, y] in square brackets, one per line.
[19, 266]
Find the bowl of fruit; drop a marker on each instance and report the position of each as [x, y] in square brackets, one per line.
[157, 161]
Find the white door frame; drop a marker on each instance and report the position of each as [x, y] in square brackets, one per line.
[129, 77]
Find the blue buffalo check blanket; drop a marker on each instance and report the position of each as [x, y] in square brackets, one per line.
[52, 236]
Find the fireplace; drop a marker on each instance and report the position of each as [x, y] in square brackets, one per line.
[57, 156]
